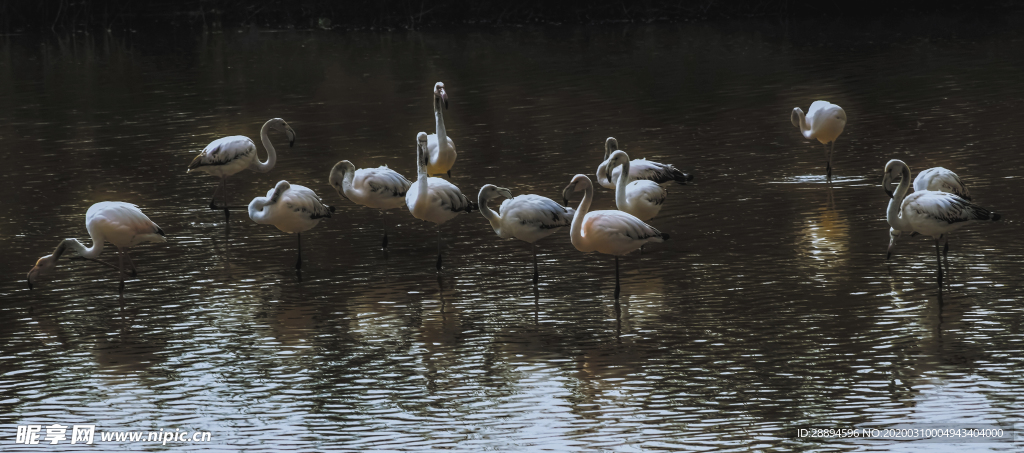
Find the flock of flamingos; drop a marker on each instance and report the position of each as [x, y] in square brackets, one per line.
[939, 205]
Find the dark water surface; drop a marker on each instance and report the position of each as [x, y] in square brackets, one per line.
[770, 309]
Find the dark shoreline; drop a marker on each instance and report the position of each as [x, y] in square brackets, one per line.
[20, 16]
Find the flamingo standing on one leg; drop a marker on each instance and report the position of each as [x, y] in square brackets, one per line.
[638, 169]
[434, 199]
[641, 198]
[824, 121]
[380, 188]
[440, 159]
[610, 232]
[226, 156]
[119, 223]
[291, 208]
[528, 218]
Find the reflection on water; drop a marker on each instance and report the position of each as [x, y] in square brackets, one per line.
[771, 308]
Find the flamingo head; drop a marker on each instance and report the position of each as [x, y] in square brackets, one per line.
[610, 144]
[281, 125]
[617, 158]
[338, 174]
[491, 191]
[440, 96]
[578, 183]
[893, 235]
[44, 265]
[422, 155]
[893, 171]
[797, 116]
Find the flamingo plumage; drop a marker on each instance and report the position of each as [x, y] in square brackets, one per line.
[121, 224]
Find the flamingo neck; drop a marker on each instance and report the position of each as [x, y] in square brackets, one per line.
[90, 253]
[601, 171]
[264, 167]
[421, 181]
[620, 186]
[256, 211]
[346, 182]
[576, 234]
[489, 214]
[894, 214]
[805, 129]
[442, 134]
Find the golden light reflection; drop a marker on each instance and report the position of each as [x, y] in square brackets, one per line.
[824, 237]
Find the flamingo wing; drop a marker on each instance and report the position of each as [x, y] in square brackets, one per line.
[383, 181]
[224, 151]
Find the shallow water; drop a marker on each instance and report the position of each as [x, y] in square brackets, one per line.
[771, 308]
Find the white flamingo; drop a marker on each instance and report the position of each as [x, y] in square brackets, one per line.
[824, 121]
[638, 169]
[641, 198]
[610, 232]
[936, 178]
[118, 223]
[226, 156]
[941, 180]
[441, 160]
[928, 212]
[528, 218]
[434, 199]
[291, 208]
[379, 188]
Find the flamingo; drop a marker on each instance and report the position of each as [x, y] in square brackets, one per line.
[528, 218]
[824, 121]
[641, 198]
[440, 160]
[379, 188]
[118, 223]
[291, 208]
[434, 199]
[936, 178]
[928, 212]
[639, 169]
[226, 156]
[609, 232]
[941, 180]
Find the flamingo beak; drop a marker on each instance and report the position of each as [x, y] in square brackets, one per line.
[888, 192]
[566, 192]
[444, 98]
[291, 136]
[32, 274]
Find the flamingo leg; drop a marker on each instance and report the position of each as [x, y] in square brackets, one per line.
[938, 260]
[616, 276]
[131, 263]
[120, 262]
[828, 163]
[384, 221]
[213, 201]
[298, 262]
[224, 194]
[439, 246]
[536, 274]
